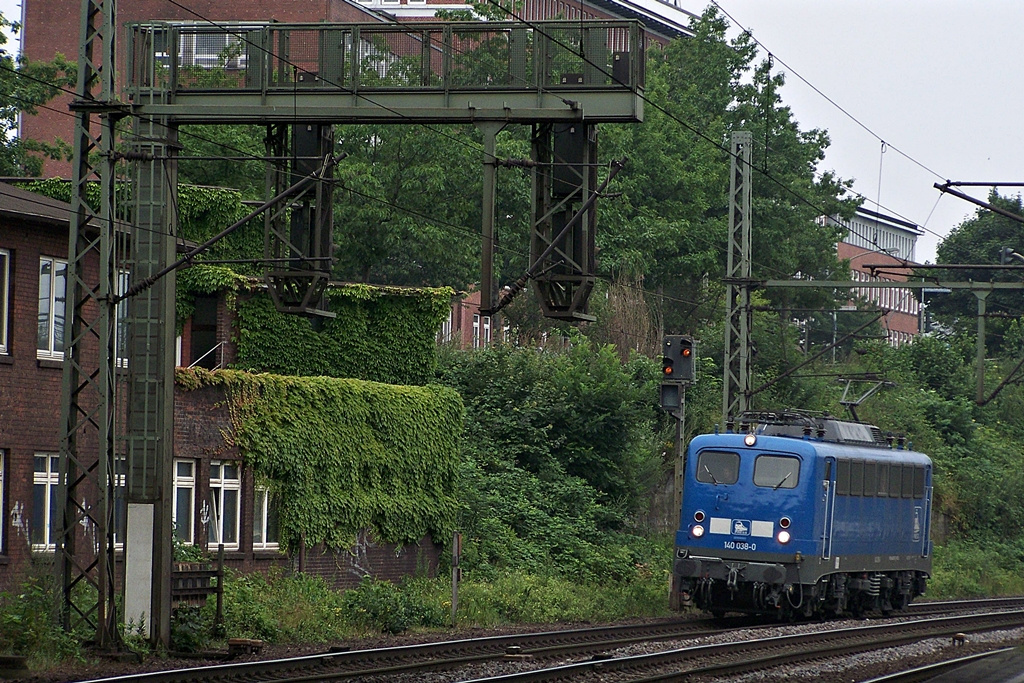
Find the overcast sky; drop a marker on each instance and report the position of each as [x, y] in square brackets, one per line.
[939, 81]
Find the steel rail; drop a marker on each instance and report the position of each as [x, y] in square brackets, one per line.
[453, 653]
[442, 654]
[927, 673]
[747, 655]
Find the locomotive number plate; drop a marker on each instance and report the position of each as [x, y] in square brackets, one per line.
[740, 545]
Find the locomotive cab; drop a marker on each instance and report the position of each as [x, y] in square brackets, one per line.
[775, 521]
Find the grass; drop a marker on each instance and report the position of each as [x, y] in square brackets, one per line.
[984, 569]
[294, 608]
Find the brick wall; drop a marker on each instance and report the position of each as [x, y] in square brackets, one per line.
[30, 388]
[30, 398]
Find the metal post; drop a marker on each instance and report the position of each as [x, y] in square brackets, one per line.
[680, 465]
[456, 572]
[490, 131]
[149, 434]
[736, 365]
[980, 345]
[83, 531]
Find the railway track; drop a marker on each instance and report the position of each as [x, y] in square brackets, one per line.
[722, 659]
[525, 649]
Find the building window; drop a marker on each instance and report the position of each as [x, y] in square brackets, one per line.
[264, 523]
[184, 500]
[121, 314]
[53, 277]
[487, 330]
[44, 501]
[5, 288]
[225, 487]
[445, 334]
[213, 48]
[476, 330]
[120, 500]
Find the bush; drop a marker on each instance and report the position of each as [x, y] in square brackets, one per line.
[28, 626]
[190, 629]
[385, 607]
[281, 608]
[517, 597]
[986, 569]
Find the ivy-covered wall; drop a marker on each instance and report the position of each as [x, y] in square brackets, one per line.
[345, 455]
[383, 334]
[202, 213]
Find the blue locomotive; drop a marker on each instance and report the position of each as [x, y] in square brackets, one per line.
[801, 515]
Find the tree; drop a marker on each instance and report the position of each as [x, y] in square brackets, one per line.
[25, 86]
[407, 205]
[670, 225]
[980, 239]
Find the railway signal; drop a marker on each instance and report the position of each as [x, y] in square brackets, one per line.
[678, 358]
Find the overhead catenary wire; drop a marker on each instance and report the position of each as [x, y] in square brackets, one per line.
[479, 149]
[764, 172]
[476, 148]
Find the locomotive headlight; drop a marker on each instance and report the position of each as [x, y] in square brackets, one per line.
[783, 536]
[697, 531]
[750, 439]
[698, 516]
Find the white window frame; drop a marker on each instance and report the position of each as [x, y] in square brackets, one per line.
[209, 49]
[5, 295]
[120, 496]
[219, 487]
[261, 515]
[50, 351]
[476, 330]
[50, 479]
[121, 320]
[182, 482]
[487, 330]
[445, 334]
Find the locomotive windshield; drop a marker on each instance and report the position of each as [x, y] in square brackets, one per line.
[718, 467]
[776, 471]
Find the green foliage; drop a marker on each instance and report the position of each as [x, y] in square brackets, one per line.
[28, 626]
[520, 597]
[380, 334]
[561, 449]
[202, 279]
[389, 225]
[202, 213]
[190, 629]
[229, 142]
[345, 455]
[26, 85]
[977, 569]
[281, 608]
[389, 608]
[979, 239]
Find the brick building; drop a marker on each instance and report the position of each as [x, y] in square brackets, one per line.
[52, 26]
[33, 268]
[215, 497]
[875, 239]
[467, 328]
